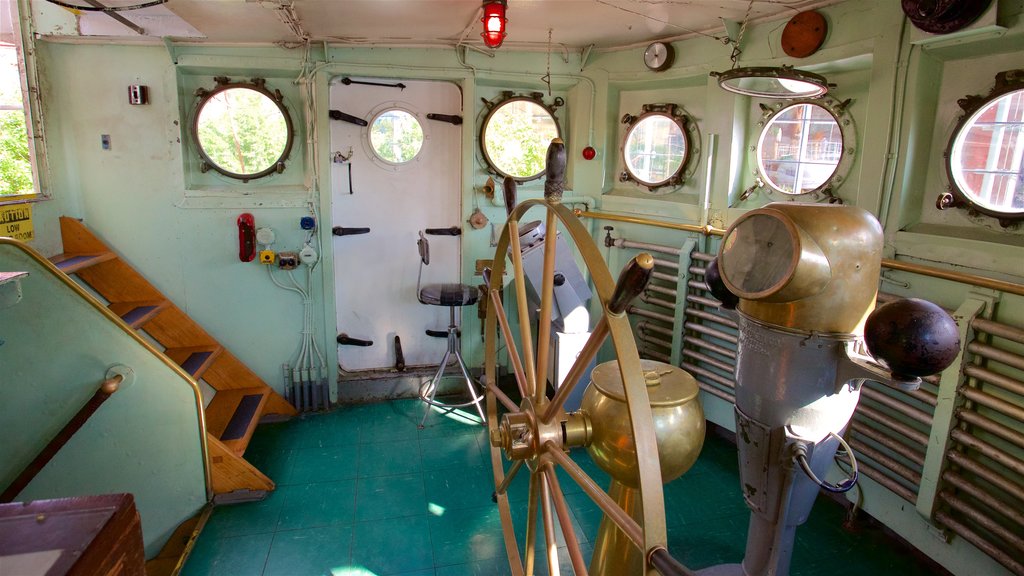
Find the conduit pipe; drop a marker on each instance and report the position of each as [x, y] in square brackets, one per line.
[697, 370]
[658, 302]
[715, 391]
[1010, 461]
[666, 264]
[902, 407]
[703, 301]
[983, 520]
[886, 482]
[720, 320]
[648, 339]
[890, 443]
[648, 314]
[978, 493]
[979, 542]
[645, 326]
[623, 243]
[723, 366]
[702, 256]
[731, 354]
[897, 426]
[891, 464]
[1007, 486]
[992, 427]
[998, 329]
[997, 354]
[1000, 380]
[662, 290]
[710, 332]
[993, 402]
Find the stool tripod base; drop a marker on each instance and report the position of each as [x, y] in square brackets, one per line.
[428, 390]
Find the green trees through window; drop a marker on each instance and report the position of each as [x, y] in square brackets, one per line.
[15, 162]
[242, 131]
[516, 138]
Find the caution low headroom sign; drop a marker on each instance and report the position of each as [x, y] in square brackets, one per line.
[16, 221]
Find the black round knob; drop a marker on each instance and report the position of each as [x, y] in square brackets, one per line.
[713, 278]
[912, 337]
[559, 279]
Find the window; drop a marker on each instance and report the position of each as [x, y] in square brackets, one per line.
[799, 149]
[516, 134]
[985, 158]
[18, 176]
[242, 130]
[656, 148]
[396, 136]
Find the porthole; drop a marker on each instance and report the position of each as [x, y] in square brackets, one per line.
[985, 156]
[799, 149]
[656, 148]
[396, 136]
[516, 134]
[241, 129]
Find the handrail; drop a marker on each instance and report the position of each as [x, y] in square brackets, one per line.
[106, 390]
[196, 392]
[709, 230]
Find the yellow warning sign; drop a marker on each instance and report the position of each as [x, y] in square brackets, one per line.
[16, 221]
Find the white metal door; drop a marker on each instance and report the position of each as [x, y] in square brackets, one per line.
[375, 272]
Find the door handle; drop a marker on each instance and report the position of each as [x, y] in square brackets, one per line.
[450, 231]
[339, 231]
[346, 340]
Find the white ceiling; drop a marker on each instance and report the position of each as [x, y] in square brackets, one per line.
[572, 23]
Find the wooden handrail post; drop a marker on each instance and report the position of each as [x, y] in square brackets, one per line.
[109, 386]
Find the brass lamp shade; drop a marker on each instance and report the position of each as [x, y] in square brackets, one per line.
[771, 82]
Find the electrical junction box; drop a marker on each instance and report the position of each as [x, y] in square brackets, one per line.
[265, 236]
[307, 223]
[287, 260]
[266, 256]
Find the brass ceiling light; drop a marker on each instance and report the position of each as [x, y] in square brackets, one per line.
[777, 82]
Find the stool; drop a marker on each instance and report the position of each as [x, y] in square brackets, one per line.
[451, 295]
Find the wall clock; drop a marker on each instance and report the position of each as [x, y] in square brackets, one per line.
[658, 56]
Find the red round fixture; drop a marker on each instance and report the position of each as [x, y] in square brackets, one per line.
[494, 23]
[589, 153]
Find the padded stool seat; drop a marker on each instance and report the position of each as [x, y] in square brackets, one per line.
[448, 294]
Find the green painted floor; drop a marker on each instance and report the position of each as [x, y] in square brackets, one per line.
[362, 491]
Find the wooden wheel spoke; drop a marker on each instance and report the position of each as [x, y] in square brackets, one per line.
[546, 305]
[510, 341]
[551, 545]
[501, 396]
[623, 520]
[579, 367]
[579, 565]
[509, 477]
[522, 307]
[531, 523]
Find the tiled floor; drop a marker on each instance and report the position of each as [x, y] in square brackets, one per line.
[363, 492]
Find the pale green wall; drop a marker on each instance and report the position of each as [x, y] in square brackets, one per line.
[55, 349]
[903, 103]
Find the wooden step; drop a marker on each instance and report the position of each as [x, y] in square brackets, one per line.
[71, 263]
[135, 314]
[194, 359]
[233, 414]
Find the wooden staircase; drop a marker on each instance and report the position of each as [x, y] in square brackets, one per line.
[241, 396]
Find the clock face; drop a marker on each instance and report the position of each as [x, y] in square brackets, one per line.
[658, 56]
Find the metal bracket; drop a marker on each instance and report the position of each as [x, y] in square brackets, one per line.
[339, 115]
[449, 118]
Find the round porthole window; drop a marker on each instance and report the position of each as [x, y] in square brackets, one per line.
[515, 137]
[800, 149]
[656, 147]
[396, 136]
[242, 130]
[986, 155]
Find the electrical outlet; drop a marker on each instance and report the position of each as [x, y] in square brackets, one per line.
[308, 255]
[266, 256]
[287, 260]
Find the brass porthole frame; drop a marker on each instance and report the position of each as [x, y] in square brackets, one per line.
[676, 114]
[224, 83]
[839, 110]
[1006, 82]
[507, 97]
